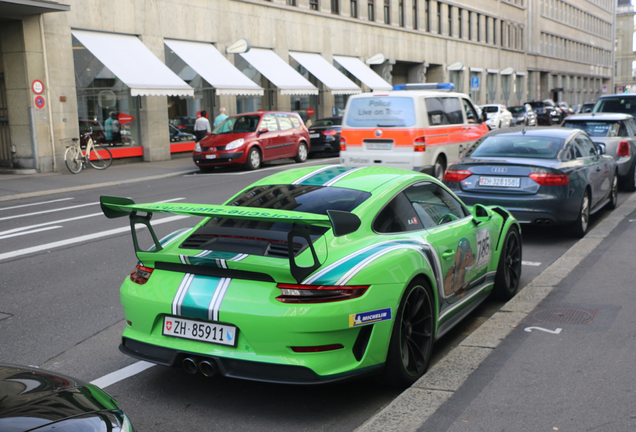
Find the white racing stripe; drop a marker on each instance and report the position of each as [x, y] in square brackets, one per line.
[29, 232]
[122, 374]
[81, 239]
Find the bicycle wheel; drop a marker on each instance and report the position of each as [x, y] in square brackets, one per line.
[100, 157]
[73, 159]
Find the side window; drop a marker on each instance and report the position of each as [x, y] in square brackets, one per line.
[294, 121]
[269, 122]
[471, 113]
[567, 154]
[434, 205]
[585, 146]
[397, 216]
[285, 123]
[453, 110]
[435, 111]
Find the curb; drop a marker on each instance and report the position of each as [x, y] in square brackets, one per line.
[92, 186]
[411, 409]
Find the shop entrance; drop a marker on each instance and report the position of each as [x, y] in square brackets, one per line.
[5, 142]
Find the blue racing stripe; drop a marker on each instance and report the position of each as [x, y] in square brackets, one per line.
[322, 177]
[197, 300]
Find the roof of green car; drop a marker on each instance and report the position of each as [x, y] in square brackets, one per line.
[364, 179]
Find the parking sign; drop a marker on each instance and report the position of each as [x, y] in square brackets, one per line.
[474, 83]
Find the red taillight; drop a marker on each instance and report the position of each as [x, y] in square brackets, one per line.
[623, 149]
[456, 175]
[330, 133]
[312, 349]
[550, 179]
[296, 293]
[141, 274]
[343, 143]
[419, 144]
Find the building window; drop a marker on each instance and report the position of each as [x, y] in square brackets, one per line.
[313, 5]
[415, 26]
[401, 13]
[387, 11]
[291, 2]
[354, 8]
[335, 7]
[371, 10]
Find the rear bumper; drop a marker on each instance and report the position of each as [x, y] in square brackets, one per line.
[320, 146]
[233, 368]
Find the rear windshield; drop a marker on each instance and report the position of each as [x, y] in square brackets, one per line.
[237, 124]
[381, 112]
[300, 198]
[518, 147]
[617, 104]
[517, 109]
[328, 122]
[597, 128]
[490, 109]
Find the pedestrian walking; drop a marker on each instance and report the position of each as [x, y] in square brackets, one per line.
[219, 119]
[202, 126]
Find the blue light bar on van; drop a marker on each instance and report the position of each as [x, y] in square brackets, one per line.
[425, 86]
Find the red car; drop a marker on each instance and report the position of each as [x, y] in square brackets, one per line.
[252, 138]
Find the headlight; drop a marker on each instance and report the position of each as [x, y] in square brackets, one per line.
[197, 147]
[235, 144]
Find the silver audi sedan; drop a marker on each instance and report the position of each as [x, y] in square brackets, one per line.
[618, 133]
[543, 176]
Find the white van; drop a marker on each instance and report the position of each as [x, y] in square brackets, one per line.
[420, 127]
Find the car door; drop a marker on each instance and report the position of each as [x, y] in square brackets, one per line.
[287, 139]
[269, 139]
[464, 248]
[593, 165]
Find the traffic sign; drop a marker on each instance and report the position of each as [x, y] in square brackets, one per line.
[310, 111]
[474, 83]
[39, 101]
[37, 86]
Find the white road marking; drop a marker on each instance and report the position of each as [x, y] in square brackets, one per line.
[530, 263]
[122, 374]
[557, 331]
[81, 239]
[321, 162]
[29, 232]
[37, 203]
[47, 211]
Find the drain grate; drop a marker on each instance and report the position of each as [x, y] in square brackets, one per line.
[560, 315]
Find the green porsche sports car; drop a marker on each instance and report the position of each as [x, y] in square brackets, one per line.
[315, 275]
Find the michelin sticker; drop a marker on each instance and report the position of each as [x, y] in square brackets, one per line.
[483, 247]
[363, 318]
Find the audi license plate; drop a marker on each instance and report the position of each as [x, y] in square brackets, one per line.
[203, 331]
[379, 146]
[314, 135]
[499, 181]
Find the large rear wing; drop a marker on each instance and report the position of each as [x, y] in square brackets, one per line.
[342, 223]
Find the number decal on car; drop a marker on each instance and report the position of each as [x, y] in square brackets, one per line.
[483, 247]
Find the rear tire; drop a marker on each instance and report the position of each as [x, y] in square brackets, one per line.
[509, 267]
[579, 229]
[253, 159]
[411, 342]
[73, 159]
[630, 181]
[100, 157]
[301, 155]
[613, 202]
[439, 168]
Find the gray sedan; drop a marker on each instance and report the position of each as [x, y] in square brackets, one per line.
[618, 133]
[544, 176]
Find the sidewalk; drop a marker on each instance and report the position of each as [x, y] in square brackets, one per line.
[20, 186]
[558, 356]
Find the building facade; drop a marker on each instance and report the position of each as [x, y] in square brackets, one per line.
[68, 68]
[625, 66]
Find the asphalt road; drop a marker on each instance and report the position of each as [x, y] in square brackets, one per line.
[62, 262]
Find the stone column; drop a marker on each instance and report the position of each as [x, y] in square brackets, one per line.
[465, 24]
[474, 33]
[482, 28]
[490, 31]
[497, 25]
[443, 11]
[433, 23]
[454, 30]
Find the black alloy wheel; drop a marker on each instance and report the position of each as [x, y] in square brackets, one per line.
[411, 341]
[509, 267]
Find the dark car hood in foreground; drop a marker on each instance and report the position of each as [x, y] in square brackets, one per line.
[32, 398]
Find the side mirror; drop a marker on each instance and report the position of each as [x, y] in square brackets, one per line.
[602, 148]
[481, 214]
[262, 131]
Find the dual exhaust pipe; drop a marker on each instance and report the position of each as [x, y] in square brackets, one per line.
[543, 222]
[207, 368]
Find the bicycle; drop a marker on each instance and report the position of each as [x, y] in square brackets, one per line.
[96, 155]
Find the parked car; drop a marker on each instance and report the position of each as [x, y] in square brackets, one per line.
[618, 133]
[619, 103]
[252, 138]
[557, 108]
[176, 135]
[497, 116]
[547, 114]
[543, 176]
[523, 115]
[586, 107]
[184, 124]
[566, 108]
[37, 400]
[316, 275]
[325, 135]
